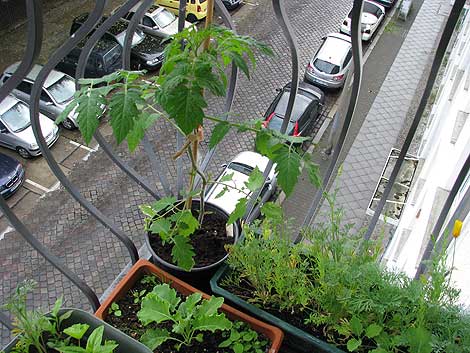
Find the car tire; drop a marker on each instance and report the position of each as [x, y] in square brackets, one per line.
[23, 152]
[68, 124]
[191, 18]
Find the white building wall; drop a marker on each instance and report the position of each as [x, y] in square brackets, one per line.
[444, 149]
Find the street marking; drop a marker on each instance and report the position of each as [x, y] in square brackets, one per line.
[320, 133]
[55, 186]
[82, 146]
[39, 186]
[7, 230]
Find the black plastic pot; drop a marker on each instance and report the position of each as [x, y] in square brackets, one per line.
[294, 337]
[198, 277]
[126, 343]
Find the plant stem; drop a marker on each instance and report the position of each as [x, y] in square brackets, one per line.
[241, 126]
[203, 187]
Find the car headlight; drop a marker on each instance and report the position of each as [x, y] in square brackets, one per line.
[33, 145]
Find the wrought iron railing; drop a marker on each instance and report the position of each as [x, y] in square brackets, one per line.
[34, 16]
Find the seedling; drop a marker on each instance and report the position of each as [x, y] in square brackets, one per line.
[115, 310]
[242, 339]
[138, 295]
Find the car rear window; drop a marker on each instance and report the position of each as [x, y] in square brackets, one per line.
[326, 67]
[276, 123]
[112, 56]
[369, 8]
[241, 168]
[164, 18]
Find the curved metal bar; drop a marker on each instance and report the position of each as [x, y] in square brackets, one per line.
[54, 260]
[357, 63]
[82, 60]
[442, 216]
[440, 52]
[34, 115]
[283, 20]
[5, 321]
[154, 161]
[33, 48]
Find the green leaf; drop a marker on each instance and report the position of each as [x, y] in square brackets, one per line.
[353, 344]
[238, 348]
[222, 192]
[187, 223]
[153, 309]
[187, 307]
[356, 325]
[212, 323]
[272, 211]
[95, 81]
[313, 171]
[57, 306]
[239, 211]
[378, 350]
[219, 132]
[161, 227]
[209, 307]
[137, 133]
[226, 177]
[166, 293]
[199, 337]
[255, 180]
[123, 111]
[163, 203]
[65, 315]
[148, 211]
[77, 331]
[287, 168]
[154, 337]
[419, 340]
[225, 343]
[72, 349]
[89, 110]
[65, 113]
[95, 338]
[373, 330]
[182, 252]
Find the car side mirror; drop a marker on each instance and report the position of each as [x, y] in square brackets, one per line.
[3, 130]
[224, 165]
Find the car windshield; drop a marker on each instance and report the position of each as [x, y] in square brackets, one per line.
[63, 90]
[163, 18]
[136, 39]
[17, 117]
[241, 168]
[369, 8]
[276, 123]
[112, 56]
[325, 66]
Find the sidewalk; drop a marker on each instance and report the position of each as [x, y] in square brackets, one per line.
[380, 128]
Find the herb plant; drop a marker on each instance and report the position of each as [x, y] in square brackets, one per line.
[242, 339]
[114, 310]
[177, 96]
[93, 343]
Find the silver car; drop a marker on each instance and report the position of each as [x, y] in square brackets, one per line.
[330, 65]
[157, 21]
[241, 167]
[57, 92]
[16, 131]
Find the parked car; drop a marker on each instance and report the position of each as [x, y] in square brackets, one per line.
[231, 4]
[372, 15]
[146, 51]
[11, 175]
[105, 58]
[16, 131]
[241, 167]
[330, 65]
[57, 92]
[195, 9]
[157, 21]
[307, 108]
[386, 3]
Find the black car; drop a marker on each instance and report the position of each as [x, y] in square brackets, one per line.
[11, 175]
[307, 107]
[231, 4]
[105, 58]
[146, 50]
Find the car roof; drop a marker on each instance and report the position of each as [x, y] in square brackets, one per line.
[151, 10]
[251, 159]
[334, 49]
[52, 78]
[307, 90]
[7, 103]
[103, 45]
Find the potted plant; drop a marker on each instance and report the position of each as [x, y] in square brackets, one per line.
[187, 235]
[167, 315]
[329, 294]
[63, 330]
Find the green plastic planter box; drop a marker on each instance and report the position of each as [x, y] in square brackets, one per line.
[126, 343]
[295, 337]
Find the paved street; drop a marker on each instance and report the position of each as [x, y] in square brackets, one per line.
[86, 246]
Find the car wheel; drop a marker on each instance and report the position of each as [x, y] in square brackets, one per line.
[191, 18]
[23, 152]
[68, 124]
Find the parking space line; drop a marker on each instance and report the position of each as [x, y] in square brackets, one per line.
[82, 146]
[36, 185]
[5, 231]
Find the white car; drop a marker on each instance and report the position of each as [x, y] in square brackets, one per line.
[372, 15]
[241, 167]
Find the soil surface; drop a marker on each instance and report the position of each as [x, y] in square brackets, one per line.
[129, 323]
[208, 242]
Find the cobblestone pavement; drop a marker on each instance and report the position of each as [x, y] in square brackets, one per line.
[388, 117]
[87, 247]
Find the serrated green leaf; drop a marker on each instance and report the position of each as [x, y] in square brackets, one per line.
[218, 133]
[287, 168]
[77, 331]
[95, 338]
[313, 171]
[104, 79]
[222, 192]
[187, 307]
[89, 110]
[419, 340]
[183, 252]
[187, 223]
[239, 211]
[137, 133]
[353, 344]
[163, 203]
[238, 348]
[209, 307]
[153, 309]
[123, 111]
[148, 211]
[356, 325]
[154, 337]
[373, 330]
[272, 211]
[255, 180]
[161, 226]
[240, 62]
[65, 113]
[212, 323]
[226, 177]
[166, 293]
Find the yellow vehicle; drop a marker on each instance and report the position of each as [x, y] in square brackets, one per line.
[195, 9]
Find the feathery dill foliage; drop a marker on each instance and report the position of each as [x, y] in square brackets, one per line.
[335, 283]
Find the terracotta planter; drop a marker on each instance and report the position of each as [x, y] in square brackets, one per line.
[126, 343]
[144, 267]
[198, 276]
